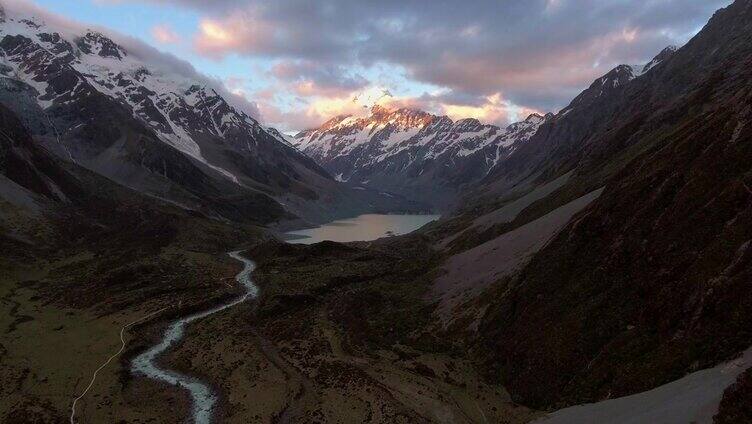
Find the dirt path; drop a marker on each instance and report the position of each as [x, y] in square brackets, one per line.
[113, 356]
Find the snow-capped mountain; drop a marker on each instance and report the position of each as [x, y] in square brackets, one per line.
[61, 66]
[156, 129]
[412, 152]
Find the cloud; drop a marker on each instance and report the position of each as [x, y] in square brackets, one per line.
[492, 109]
[500, 56]
[537, 52]
[292, 119]
[308, 78]
[311, 113]
[252, 31]
[164, 34]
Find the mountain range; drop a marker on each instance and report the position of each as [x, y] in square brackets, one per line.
[411, 152]
[613, 246]
[592, 265]
[87, 99]
[432, 158]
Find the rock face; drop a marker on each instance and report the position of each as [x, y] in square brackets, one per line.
[652, 281]
[414, 153]
[736, 406]
[48, 204]
[88, 100]
[25, 165]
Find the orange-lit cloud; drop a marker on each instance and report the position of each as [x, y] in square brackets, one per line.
[164, 34]
[493, 110]
[214, 38]
[499, 60]
[237, 32]
[314, 111]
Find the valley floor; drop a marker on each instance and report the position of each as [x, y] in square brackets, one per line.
[312, 350]
[307, 351]
[57, 331]
[340, 333]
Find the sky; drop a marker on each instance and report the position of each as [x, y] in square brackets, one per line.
[302, 62]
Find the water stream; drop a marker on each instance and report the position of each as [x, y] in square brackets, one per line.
[203, 397]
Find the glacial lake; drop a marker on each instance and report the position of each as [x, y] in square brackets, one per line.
[361, 228]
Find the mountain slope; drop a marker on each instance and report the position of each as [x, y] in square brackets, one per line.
[612, 108]
[414, 153]
[48, 203]
[89, 100]
[79, 255]
[651, 281]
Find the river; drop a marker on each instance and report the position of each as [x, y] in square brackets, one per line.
[203, 397]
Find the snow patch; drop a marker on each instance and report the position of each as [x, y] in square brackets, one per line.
[692, 399]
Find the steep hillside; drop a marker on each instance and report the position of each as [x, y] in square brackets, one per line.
[47, 203]
[652, 280]
[599, 125]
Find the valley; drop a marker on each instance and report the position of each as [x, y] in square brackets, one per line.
[203, 400]
[391, 265]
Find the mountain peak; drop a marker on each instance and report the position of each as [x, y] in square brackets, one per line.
[659, 58]
[617, 77]
[467, 122]
[403, 118]
[371, 97]
[331, 123]
[535, 117]
[379, 110]
[98, 44]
